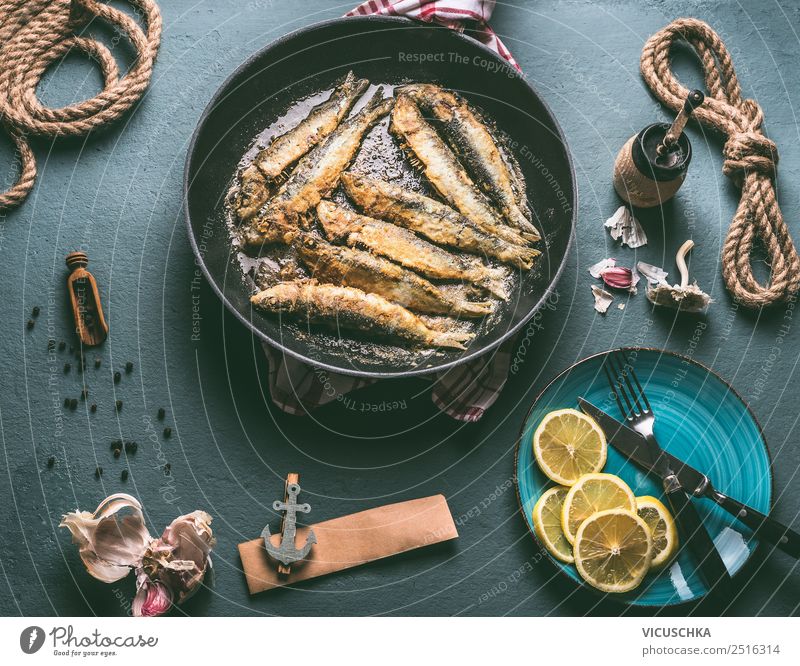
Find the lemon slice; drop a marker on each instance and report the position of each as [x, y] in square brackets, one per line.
[547, 524]
[613, 550]
[593, 493]
[662, 527]
[567, 444]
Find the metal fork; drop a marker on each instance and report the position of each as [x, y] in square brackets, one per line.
[637, 412]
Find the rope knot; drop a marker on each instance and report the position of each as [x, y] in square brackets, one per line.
[749, 151]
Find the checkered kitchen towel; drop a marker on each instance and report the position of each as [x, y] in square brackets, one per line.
[454, 14]
[466, 391]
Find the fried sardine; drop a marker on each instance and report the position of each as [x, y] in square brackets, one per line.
[353, 309]
[270, 164]
[432, 219]
[448, 177]
[342, 225]
[315, 176]
[363, 270]
[474, 144]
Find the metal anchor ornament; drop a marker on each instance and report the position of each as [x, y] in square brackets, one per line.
[287, 553]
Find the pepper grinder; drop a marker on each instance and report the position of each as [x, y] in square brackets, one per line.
[651, 167]
[90, 323]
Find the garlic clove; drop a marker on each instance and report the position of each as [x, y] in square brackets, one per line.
[152, 598]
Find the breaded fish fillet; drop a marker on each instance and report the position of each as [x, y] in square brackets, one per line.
[342, 225]
[365, 271]
[270, 164]
[471, 140]
[432, 219]
[352, 309]
[448, 177]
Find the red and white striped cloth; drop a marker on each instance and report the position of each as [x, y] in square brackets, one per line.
[453, 14]
[466, 391]
[463, 393]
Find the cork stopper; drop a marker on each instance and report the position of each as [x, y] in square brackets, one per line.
[77, 260]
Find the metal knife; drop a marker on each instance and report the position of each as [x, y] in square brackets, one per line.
[632, 445]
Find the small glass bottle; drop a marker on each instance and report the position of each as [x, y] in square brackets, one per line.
[90, 323]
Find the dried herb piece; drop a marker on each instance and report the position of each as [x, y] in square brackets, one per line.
[161, 413]
[117, 377]
[51, 461]
[128, 367]
[30, 324]
[98, 472]
[167, 432]
[167, 468]
[97, 362]
[84, 394]
[66, 402]
[36, 310]
[124, 475]
[73, 404]
[93, 408]
[118, 404]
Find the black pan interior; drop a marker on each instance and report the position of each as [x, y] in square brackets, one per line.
[384, 50]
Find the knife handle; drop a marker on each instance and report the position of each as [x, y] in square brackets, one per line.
[764, 527]
[699, 543]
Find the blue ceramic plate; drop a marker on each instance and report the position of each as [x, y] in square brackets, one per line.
[700, 419]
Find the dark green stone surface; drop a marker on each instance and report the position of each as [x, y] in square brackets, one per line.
[118, 196]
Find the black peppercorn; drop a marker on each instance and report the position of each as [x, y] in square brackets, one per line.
[130, 447]
[62, 346]
[30, 324]
[117, 453]
[35, 312]
[124, 475]
[118, 404]
[66, 402]
[116, 445]
[167, 432]
[161, 413]
[93, 408]
[73, 404]
[67, 367]
[129, 367]
[98, 472]
[117, 377]
[51, 461]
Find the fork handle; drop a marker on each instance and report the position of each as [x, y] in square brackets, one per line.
[765, 528]
[698, 541]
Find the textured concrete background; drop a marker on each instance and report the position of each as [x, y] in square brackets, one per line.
[118, 195]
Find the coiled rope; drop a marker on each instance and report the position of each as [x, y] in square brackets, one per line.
[36, 33]
[750, 160]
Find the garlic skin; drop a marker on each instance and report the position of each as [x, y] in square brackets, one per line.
[114, 540]
[109, 543]
[602, 299]
[624, 227]
[181, 557]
